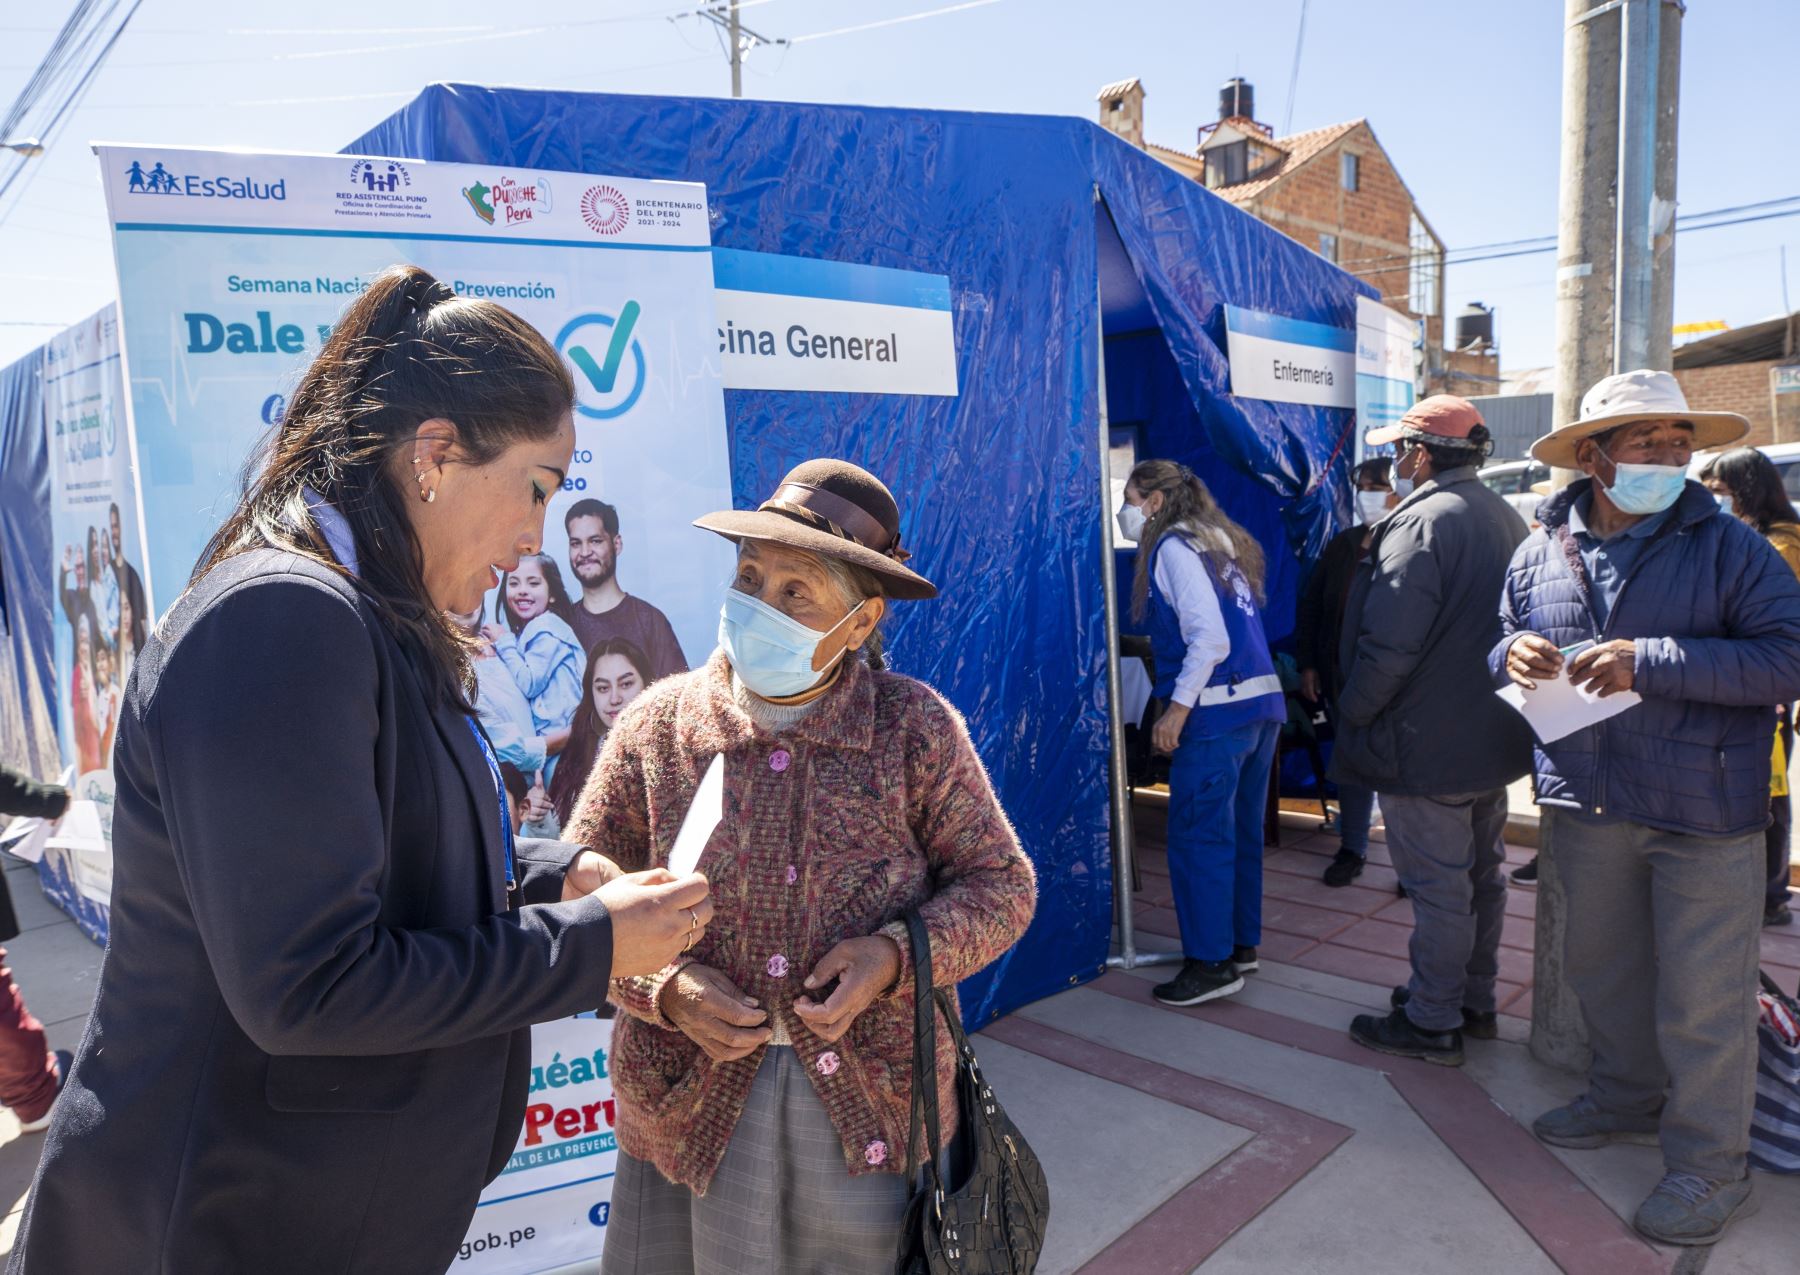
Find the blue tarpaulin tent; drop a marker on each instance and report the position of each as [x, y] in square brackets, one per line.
[1060, 242]
[1035, 220]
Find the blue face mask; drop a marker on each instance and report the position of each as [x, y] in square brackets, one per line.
[772, 653]
[1645, 489]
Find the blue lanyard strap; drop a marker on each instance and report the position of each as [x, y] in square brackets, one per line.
[506, 828]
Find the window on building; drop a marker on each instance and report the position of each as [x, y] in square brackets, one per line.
[1328, 247]
[1117, 104]
[1427, 282]
[1227, 165]
[1348, 170]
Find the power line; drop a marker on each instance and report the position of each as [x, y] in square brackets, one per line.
[1287, 123]
[893, 22]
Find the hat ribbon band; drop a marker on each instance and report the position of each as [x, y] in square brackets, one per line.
[842, 518]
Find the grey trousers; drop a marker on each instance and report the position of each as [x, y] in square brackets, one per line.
[781, 1203]
[1664, 933]
[1448, 852]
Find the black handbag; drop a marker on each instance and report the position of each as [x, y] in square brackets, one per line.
[990, 1218]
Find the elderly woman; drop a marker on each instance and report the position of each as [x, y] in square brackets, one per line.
[763, 1079]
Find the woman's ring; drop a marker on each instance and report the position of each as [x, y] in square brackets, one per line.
[693, 920]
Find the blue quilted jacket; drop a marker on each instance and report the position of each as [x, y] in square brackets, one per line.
[1715, 614]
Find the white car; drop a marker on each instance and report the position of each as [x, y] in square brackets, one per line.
[1513, 479]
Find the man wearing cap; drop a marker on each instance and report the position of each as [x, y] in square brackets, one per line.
[1419, 723]
[1655, 816]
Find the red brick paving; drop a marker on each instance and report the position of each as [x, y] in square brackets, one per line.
[1359, 931]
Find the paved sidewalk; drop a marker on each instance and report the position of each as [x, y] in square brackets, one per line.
[1249, 1135]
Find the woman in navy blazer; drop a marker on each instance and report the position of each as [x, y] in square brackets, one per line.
[310, 1048]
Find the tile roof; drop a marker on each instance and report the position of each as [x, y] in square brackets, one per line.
[1300, 148]
[1118, 90]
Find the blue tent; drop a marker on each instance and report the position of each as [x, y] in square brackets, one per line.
[1056, 236]
[1060, 241]
[27, 567]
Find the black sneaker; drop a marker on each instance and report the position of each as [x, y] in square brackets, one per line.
[1344, 869]
[1477, 1024]
[1396, 1035]
[1779, 914]
[1526, 875]
[1199, 982]
[1243, 960]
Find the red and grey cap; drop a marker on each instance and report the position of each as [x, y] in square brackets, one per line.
[1443, 419]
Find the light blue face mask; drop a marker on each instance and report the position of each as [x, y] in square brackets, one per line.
[1727, 505]
[1645, 489]
[772, 653]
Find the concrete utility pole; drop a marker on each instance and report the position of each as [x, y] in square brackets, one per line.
[741, 38]
[736, 33]
[1615, 310]
[1615, 278]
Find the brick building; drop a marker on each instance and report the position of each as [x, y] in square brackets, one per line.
[1736, 372]
[1336, 191]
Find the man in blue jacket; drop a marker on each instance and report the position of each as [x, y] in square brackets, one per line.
[1657, 814]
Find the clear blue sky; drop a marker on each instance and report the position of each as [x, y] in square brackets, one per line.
[1465, 96]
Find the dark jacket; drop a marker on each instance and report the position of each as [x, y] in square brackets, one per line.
[1319, 619]
[20, 794]
[1417, 715]
[1715, 613]
[309, 1048]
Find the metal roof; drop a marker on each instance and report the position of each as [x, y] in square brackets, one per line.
[1758, 343]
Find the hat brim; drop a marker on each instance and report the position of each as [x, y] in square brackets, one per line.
[1711, 429]
[1382, 435]
[773, 528]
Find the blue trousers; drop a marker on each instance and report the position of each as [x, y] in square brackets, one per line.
[1218, 784]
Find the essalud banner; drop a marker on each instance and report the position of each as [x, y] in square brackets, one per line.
[102, 616]
[234, 268]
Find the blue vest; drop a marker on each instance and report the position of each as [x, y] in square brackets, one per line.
[1243, 687]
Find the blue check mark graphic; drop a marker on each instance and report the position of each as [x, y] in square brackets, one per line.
[603, 375]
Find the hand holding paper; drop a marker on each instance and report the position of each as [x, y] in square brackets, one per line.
[1556, 706]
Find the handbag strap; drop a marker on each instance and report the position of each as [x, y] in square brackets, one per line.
[924, 1078]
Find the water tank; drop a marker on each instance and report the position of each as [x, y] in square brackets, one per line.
[1237, 97]
[1475, 326]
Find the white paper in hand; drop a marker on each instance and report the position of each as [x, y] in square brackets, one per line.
[703, 816]
[1558, 707]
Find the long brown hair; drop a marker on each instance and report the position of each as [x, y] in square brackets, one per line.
[407, 351]
[1188, 509]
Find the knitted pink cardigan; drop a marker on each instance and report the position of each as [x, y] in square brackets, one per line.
[874, 802]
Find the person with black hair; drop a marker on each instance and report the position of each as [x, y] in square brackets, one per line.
[604, 610]
[1746, 483]
[1318, 635]
[310, 1047]
[1419, 722]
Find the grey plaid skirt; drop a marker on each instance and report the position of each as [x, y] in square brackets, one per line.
[781, 1203]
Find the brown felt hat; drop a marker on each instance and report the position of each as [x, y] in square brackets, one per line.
[836, 510]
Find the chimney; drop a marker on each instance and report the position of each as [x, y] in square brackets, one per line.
[1237, 97]
[1122, 110]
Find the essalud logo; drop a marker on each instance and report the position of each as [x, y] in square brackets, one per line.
[597, 344]
[158, 180]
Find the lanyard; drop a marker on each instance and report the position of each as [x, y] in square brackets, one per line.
[506, 828]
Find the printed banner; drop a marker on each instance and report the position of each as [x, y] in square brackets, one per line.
[550, 1204]
[791, 323]
[233, 269]
[1387, 344]
[1289, 360]
[102, 616]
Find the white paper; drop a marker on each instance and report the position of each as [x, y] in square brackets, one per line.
[25, 838]
[703, 816]
[1558, 707]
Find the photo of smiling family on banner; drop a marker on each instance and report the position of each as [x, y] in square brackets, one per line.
[233, 268]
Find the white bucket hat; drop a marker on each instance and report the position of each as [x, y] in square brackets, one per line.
[1636, 396]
